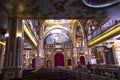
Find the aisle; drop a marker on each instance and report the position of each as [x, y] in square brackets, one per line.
[51, 74]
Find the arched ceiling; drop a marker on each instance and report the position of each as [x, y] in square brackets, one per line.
[61, 23]
[58, 9]
[58, 30]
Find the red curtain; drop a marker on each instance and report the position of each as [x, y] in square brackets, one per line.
[82, 60]
[59, 59]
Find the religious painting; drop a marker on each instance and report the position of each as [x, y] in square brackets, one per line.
[57, 36]
[78, 32]
[49, 54]
[68, 53]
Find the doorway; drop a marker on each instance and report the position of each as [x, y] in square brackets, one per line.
[33, 63]
[69, 62]
[59, 59]
[82, 60]
[49, 64]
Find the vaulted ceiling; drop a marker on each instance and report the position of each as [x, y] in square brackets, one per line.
[58, 9]
[87, 12]
[57, 30]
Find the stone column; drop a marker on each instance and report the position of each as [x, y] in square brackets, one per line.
[75, 55]
[42, 57]
[37, 62]
[14, 49]
[27, 60]
[41, 52]
[1, 56]
[103, 55]
[37, 57]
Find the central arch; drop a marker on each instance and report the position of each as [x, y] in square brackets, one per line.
[59, 59]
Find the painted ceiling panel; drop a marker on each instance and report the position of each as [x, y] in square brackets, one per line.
[58, 9]
[63, 24]
[57, 36]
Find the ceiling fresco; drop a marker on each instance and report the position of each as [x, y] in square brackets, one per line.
[58, 9]
[58, 30]
[61, 24]
[57, 36]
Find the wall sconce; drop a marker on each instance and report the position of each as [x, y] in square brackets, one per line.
[74, 55]
[86, 53]
[40, 54]
[63, 20]
[51, 20]
[36, 55]
[93, 56]
[19, 35]
[7, 35]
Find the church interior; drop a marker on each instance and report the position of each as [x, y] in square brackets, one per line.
[56, 39]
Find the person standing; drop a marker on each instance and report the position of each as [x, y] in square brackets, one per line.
[89, 67]
[79, 66]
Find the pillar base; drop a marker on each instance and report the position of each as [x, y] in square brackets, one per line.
[10, 73]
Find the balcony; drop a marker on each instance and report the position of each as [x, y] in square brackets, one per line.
[58, 45]
[102, 28]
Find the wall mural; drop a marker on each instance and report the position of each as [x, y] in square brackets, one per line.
[79, 38]
[57, 37]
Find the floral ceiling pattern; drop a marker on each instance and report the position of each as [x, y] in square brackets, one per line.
[57, 9]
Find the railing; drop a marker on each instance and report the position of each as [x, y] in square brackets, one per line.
[31, 28]
[58, 45]
[100, 73]
[103, 28]
[111, 72]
